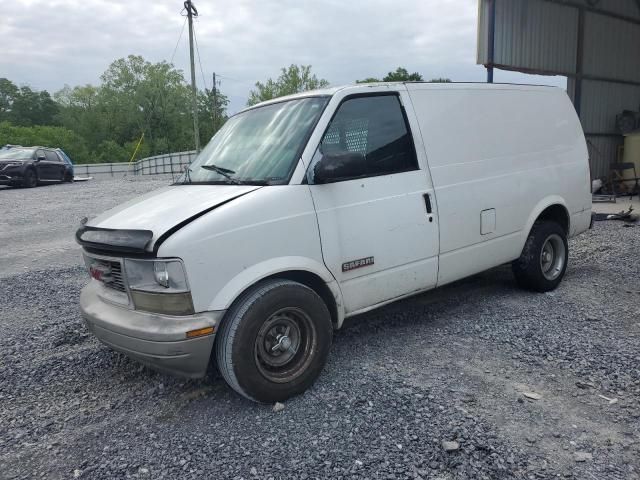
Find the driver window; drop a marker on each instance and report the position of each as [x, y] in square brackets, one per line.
[375, 127]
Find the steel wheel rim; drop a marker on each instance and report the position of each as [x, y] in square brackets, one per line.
[285, 345]
[553, 257]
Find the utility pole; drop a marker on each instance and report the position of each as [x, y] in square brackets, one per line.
[215, 103]
[192, 12]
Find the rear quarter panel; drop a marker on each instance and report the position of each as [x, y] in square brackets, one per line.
[515, 149]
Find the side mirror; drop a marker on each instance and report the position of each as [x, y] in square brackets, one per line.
[333, 167]
[40, 157]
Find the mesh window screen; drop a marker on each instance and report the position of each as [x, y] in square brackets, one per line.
[356, 133]
[373, 126]
[331, 139]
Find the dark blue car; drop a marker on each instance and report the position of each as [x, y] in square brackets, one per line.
[31, 166]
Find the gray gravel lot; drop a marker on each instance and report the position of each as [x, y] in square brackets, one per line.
[452, 365]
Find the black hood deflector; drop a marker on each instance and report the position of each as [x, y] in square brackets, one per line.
[114, 240]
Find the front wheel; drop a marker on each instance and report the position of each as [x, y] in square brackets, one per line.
[30, 180]
[274, 341]
[543, 261]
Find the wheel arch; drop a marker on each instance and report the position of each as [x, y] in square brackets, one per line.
[305, 271]
[556, 213]
[550, 208]
[315, 283]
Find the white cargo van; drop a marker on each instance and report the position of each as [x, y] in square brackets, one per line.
[308, 209]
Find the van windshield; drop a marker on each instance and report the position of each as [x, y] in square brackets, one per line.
[259, 146]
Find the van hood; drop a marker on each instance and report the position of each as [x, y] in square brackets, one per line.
[162, 210]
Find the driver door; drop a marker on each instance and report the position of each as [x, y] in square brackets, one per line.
[42, 165]
[378, 231]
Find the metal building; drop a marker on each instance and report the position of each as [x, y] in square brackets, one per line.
[594, 43]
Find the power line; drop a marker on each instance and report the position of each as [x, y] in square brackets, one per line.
[178, 42]
[215, 103]
[195, 37]
[158, 95]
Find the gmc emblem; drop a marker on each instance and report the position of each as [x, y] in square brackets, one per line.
[100, 272]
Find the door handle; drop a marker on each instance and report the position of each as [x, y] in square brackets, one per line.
[427, 202]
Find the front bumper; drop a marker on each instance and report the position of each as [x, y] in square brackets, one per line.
[9, 180]
[11, 175]
[158, 341]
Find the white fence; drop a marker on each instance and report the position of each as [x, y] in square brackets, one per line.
[170, 163]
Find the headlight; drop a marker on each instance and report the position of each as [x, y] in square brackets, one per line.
[160, 276]
[159, 286]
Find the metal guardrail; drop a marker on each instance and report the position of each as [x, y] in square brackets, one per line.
[169, 163]
[103, 169]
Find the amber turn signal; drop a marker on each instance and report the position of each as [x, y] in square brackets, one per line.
[200, 332]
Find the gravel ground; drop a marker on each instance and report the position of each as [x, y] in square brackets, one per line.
[400, 380]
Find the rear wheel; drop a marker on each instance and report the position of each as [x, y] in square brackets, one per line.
[543, 261]
[29, 179]
[274, 341]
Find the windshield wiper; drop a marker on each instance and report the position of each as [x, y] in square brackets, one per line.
[225, 172]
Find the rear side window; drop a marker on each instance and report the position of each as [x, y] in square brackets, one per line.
[51, 156]
[376, 127]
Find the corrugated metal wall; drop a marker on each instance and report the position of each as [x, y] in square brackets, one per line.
[611, 50]
[628, 8]
[602, 101]
[611, 47]
[535, 34]
[541, 36]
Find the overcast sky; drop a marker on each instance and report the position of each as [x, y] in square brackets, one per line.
[49, 43]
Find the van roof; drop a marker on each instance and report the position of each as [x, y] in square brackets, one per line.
[329, 91]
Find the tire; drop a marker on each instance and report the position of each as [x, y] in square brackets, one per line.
[274, 341]
[30, 180]
[68, 177]
[544, 258]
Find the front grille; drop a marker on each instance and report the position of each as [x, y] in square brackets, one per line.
[117, 282]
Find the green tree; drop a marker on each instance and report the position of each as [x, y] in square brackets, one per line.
[440, 80]
[81, 110]
[400, 74]
[8, 93]
[104, 123]
[294, 79]
[139, 96]
[212, 113]
[24, 106]
[109, 151]
[136, 97]
[368, 80]
[60, 137]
